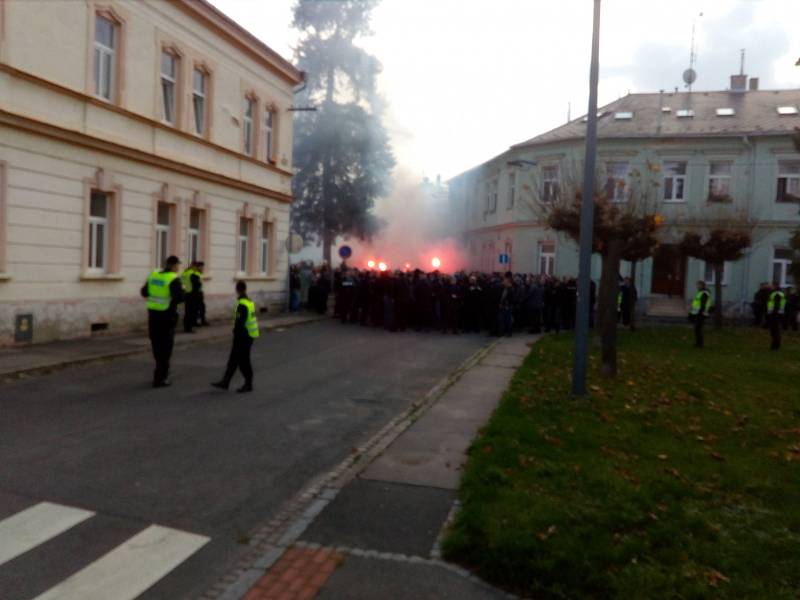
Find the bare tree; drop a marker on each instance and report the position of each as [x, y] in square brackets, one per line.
[626, 219]
[717, 235]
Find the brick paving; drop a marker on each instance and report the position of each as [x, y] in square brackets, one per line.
[298, 575]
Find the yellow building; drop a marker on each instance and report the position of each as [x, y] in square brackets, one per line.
[130, 131]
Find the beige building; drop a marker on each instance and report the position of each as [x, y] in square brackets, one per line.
[130, 131]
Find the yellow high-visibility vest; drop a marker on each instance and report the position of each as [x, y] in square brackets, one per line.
[251, 324]
[781, 297]
[158, 295]
[698, 302]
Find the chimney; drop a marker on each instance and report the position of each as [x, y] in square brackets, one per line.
[753, 84]
[739, 83]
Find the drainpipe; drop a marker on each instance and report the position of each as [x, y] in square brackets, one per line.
[751, 185]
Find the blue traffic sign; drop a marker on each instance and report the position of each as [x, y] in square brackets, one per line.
[345, 252]
[504, 259]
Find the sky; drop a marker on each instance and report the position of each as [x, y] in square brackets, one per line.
[466, 79]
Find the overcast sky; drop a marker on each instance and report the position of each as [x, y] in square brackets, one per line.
[465, 79]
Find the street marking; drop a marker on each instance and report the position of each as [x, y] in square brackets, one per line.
[130, 568]
[35, 525]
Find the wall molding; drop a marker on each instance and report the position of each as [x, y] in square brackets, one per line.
[77, 138]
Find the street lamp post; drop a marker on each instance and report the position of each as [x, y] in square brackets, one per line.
[580, 358]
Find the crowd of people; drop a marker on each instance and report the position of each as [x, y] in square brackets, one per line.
[790, 312]
[464, 302]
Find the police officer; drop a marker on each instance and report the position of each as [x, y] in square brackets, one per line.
[201, 299]
[245, 330]
[191, 279]
[163, 291]
[776, 307]
[701, 308]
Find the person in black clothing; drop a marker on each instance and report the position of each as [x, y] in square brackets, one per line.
[759, 304]
[402, 300]
[294, 288]
[472, 305]
[792, 309]
[534, 302]
[161, 324]
[242, 344]
[451, 305]
[345, 297]
[775, 317]
[629, 297]
[191, 307]
[201, 299]
[698, 315]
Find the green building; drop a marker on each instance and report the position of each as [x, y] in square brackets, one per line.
[704, 152]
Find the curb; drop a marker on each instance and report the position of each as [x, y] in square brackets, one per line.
[269, 542]
[144, 349]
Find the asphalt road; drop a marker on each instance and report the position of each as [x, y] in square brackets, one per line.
[206, 467]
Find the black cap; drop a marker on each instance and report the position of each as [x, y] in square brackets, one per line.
[173, 260]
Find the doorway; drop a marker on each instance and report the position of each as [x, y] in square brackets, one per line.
[669, 271]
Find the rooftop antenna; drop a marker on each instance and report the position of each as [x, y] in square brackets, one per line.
[690, 75]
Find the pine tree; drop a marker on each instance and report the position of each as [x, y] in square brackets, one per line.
[341, 152]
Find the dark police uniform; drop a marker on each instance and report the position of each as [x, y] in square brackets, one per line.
[163, 291]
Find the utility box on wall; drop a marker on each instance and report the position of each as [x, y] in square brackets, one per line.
[23, 328]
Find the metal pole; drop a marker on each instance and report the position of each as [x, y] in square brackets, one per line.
[587, 220]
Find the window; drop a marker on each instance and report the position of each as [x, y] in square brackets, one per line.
[199, 90]
[547, 258]
[244, 244]
[674, 181]
[719, 182]
[493, 208]
[269, 131]
[787, 110]
[710, 276]
[788, 181]
[195, 248]
[169, 78]
[623, 115]
[488, 208]
[512, 189]
[617, 181]
[726, 112]
[781, 261]
[249, 114]
[98, 232]
[163, 224]
[550, 185]
[266, 231]
[105, 57]
[684, 113]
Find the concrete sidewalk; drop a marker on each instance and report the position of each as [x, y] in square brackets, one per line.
[375, 533]
[21, 361]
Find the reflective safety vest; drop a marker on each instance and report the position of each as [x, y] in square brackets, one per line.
[158, 294]
[186, 279]
[698, 302]
[781, 297]
[619, 301]
[252, 322]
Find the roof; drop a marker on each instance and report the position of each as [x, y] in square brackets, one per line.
[755, 113]
[220, 23]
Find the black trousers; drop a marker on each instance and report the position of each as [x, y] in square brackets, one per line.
[191, 310]
[201, 308]
[775, 331]
[240, 359]
[699, 322]
[161, 326]
[536, 320]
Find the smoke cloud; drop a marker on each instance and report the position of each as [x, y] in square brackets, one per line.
[417, 228]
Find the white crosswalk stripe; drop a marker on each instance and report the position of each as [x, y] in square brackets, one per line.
[130, 568]
[33, 526]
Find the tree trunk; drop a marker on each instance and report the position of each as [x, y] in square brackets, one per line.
[327, 242]
[719, 271]
[633, 296]
[607, 307]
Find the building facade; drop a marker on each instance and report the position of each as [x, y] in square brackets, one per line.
[702, 150]
[130, 131]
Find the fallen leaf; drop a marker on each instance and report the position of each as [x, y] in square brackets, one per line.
[662, 457]
[544, 535]
[714, 577]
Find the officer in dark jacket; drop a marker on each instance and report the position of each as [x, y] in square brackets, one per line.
[163, 291]
[192, 282]
[245, 330]
[776, 309]
[201, 299]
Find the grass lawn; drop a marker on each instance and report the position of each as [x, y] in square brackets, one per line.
[680, 479]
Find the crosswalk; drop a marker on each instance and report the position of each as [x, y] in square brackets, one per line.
[123, 573]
